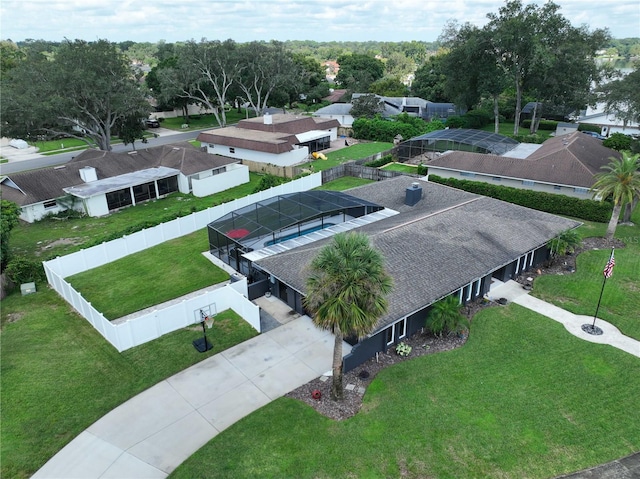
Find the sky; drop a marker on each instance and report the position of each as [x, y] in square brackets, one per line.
[243, 21]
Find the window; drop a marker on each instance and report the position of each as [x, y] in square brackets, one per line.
[50, 204]
[466, 173]
[232, 149]
[582, 191]
[167, 185]
[389, 335]
[118, 199]
[497, 178]
[401, 328]
[528, 183]
[144, 192]
[211, 146]
[557, 187]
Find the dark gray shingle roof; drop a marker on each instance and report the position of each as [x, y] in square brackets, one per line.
[447, 240]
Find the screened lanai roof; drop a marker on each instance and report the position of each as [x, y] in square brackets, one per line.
[275, 214]
[457, 139]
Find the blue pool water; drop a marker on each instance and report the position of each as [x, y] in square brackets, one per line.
[296, 234]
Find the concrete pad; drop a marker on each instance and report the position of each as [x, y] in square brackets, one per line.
[167, 449]
[319, 355]
[509, 290]
[207, 380]
[298, 334]
[85, 456]
[229, 408]
[130, 467]
[141, 416]
[284, 377]
[255, 355]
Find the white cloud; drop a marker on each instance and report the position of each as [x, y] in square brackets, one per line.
[340, 20]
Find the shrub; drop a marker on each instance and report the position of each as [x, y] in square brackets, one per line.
[269, 181]
[380, 162]
[590, 210]
[565, 243]
[403, 349]
[547, 125]
[379, 129]
[422, 169]
[618, 141]
[445, 317]
[456, 122]
[477, 118]
[24, 270]
[588, 127]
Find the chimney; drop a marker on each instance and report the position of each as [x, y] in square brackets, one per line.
[88, 174]
[413, 194]
[267, 119]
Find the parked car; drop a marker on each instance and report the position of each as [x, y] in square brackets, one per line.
[594, 134]
[151, 123]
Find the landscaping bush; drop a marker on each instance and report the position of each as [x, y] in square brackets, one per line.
[588, 127]
[589, 210]
[477, 118]
[24, 270]
[380, 162]
[269, 181]
[548, 125]
[618, 141]
[456, 122]
[379, 129]
[529, 138]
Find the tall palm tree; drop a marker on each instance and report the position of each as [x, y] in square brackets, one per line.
[621, 181]
[346, 292]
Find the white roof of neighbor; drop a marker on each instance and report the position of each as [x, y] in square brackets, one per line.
[335, 109]
[311, 135]
[523, 150]
[115, 183]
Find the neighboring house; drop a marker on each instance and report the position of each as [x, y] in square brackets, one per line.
[282, 140]
[336, 111]
[608, 123]
[392, 106]
[436, 241]
[99, 182]
[564, 128]
[564, 164]
[415, 106]
[335, 95]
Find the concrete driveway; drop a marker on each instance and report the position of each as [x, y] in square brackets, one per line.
[154, 432]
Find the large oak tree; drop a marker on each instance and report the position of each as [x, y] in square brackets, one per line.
[81, 91]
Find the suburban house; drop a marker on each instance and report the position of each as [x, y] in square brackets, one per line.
[437, 241]
[282, 139]
[565, 164]
[392, 106]
[99, 182]
[607, 122]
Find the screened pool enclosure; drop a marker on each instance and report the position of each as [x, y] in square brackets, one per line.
[279, 219]
[463, 139]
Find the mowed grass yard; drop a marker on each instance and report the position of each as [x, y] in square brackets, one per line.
[522, 398]
[349, 153]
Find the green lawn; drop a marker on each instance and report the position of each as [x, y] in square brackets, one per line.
[153, 276]
[523, 398]
[58, 375]
[412, 169]
[197, 122]
[344, 183]
[506, 128]
[51, 237]
[349, 153]
[579, 292]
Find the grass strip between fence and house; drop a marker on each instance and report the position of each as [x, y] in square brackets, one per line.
[402, 167]
[59, 375]
[522, 398]
[150, 277]
[349, 153]
[344, 183]
[53, 237]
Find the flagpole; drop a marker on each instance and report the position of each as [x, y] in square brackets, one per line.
[599, 299]
[608, 271]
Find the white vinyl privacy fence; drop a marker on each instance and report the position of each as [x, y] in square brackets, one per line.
[149, 326]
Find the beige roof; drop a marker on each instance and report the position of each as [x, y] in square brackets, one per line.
[569, 160]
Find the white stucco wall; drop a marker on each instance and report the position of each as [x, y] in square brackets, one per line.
[183, 184]
[289, 158]
[513, 183]
[234, 176]
[97, 205]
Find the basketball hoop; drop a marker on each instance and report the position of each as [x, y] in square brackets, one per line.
[208, 320]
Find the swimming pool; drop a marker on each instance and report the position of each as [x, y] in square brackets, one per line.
[297, 235]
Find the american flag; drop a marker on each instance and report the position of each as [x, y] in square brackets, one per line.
[608, 269]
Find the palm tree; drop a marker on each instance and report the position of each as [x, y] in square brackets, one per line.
[565, 243]
[346, 292]
[445, 316]
[621, 181]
